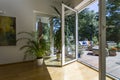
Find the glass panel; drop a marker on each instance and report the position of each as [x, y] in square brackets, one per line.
[113, 38]
[70, 39]
[88, 49]
[48, 28]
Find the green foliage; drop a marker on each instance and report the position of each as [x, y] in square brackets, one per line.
[57, 33]
[95, 40]
[57, 25]
[33, 45]
[70, 29]
[46, 31]
[69, 23]
[118, 46]
[113, 12]
[88, 24]
[58, 40]
[113, 18]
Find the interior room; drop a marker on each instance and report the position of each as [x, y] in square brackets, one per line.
[59, 40]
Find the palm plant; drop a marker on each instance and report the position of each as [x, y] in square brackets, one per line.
[34, 45]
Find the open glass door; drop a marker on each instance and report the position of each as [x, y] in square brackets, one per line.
[69, 34]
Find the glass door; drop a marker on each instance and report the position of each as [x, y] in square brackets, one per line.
[69, 34]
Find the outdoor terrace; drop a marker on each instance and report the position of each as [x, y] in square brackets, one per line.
[112, 63]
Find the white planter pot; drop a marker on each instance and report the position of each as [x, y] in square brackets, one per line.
[40, 62]
[58, 55]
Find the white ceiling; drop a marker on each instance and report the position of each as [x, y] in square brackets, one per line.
[76, 4]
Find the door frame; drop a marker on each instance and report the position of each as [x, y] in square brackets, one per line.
[102, 38]
[63, 35]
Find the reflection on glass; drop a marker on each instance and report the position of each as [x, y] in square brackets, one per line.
[70, 40]
[49, 27]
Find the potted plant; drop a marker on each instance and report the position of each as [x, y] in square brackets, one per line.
[58, 43]
[33, 45]
[112, 51]
[118, 47]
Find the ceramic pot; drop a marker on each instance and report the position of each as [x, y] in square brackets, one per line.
[40, 61]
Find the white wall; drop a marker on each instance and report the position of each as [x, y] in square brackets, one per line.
[23, 11]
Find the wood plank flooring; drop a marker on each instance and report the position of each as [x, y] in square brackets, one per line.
[30, 71]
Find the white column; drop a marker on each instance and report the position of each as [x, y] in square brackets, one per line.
[76, 35]
[51, 39]
[102, 39]
[63, 36]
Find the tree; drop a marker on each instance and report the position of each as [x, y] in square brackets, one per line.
[88, 24]
[113, 18]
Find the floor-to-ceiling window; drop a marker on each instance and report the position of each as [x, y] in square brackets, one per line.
[88, 36]
[113, 38]
[88, 50]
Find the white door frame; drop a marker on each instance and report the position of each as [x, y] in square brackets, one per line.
[102, 38]
[63, 35]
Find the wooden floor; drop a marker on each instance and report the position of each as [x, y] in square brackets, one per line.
[112, 63]
[29, 71]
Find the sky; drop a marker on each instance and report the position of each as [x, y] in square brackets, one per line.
[94, 6]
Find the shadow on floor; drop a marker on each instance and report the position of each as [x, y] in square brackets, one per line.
[24, 71]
